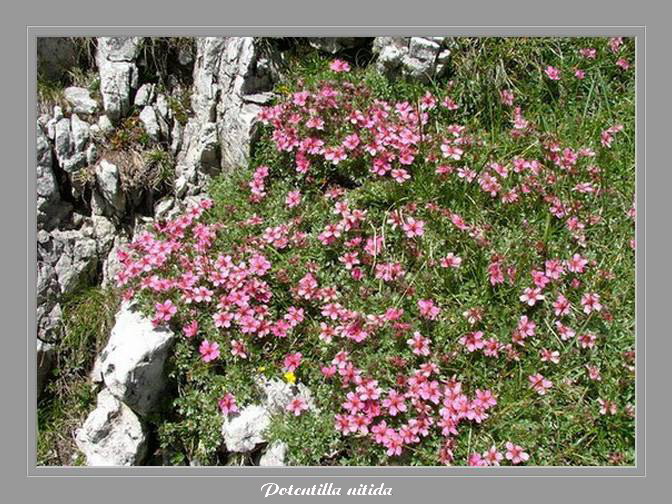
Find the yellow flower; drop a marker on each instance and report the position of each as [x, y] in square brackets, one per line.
[261, 369]
[290, 377]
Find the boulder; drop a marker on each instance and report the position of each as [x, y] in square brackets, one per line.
[144, 96]
[133, 360]
[244, 431]
[333, 45]
[112, 434]
[79, 133]
[422, 58]
[115, 57]
[107, 178]
[275, 455]
[80, 100]
[48, 193]
[150, 122]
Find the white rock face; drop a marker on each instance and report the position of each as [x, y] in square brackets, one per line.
[422, 58]
[112, 434]
[333, 45]
[80, 100]
[79, 133]
[133, 361]
[231, 81]
[115, 57]
[274, 456]
[145, 95]
[150, 122]
[107, 177]
[278, 394]
[243, 432]
[246, 430]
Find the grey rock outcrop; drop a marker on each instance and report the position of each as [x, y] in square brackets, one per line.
[112, 434]
[115, 57]
[109, 185]
[80, 100]
[231, 79]
[422, 58]
[55, 56]
[334, 45]
[275, 455]
[244, 431]
[132, 362]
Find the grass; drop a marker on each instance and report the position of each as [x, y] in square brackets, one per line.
[562, 429]
[69, 396]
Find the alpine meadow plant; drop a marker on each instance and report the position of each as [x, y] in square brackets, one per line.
[450, 294]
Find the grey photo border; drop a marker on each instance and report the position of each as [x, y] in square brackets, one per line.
[20, 482]
[639, 469]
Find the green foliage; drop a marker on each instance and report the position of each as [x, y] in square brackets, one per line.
[88, 316]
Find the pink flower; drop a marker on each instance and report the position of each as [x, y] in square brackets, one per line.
[238, 349]
[292, 361]
[561, 306]
[587, 340]
[588, 53]
[506, 97]
[165, 310]
[473, 341]
[339, 66]
[293, 199]
[492, 456]
[394, 402]
[607, 407]
[552, 73]
[209, 351]
[297, 406]
[550, 355]
[531, 296]
[591, 302]
[579, 74]
[515, 453]
[451, 261]
[577, 264]
[227, 404]
[623, 63]
[414, 227]
[539, 383]
[419, 344]
[428, 309]
[191, 329]
[593, 372]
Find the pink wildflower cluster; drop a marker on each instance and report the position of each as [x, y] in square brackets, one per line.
[298, 286]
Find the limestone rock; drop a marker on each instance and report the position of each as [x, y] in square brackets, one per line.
[150, 122]
[145, 95]
[275, 455]
[243, 432]
[133, 360]
[80, 100]
[333, 45]
[107, 178]
[112, 434]
[79, 133]
[115, 57]
[422, 58]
